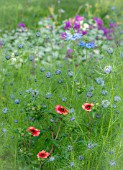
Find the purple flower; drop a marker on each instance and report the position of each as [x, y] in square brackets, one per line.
[69, 52]
[21, 25]
[105, 31]
[79, 18]
[113, 25]
[84, 32]
[109, 37]
[99, 22]
[63, 35]
[68, 25]
[76, 25]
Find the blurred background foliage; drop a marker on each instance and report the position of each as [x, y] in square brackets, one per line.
[31, 11]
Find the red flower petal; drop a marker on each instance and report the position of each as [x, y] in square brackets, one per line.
[61, 110]
[87, 106]
[43, 154]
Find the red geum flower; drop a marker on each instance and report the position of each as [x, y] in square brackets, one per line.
[35, 132]
[87, 106]
[43, 154]
[61, 110]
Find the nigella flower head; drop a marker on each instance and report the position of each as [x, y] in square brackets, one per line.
[52, 158]
[110, 51]
[48, 95]
[87, 45]
[100, 81]
[35, 92]
[5, 110]
[105, 103]
[89, 94]
[72, 110]
[108, 69]
[73, 37]
[73, 118]
[80, 158]
[48, 74]
[70, 74]
[91, 145]
[117, 98]
[104, 92]
[58, 72]
[70, 148]
[72, 164]
[112, 163]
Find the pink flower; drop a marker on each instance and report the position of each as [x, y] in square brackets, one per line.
[79, 18]
[76, 25]
[84, 32]
[68, 25]
[69, 52]
[63, 35]
[43, 154]
[87, 106]
[21, 25]
[61, 110]
[99, 22]
[113, 25]
[35, 132]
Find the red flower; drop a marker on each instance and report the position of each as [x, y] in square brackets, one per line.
[87, 106]
[43, 154]
[35, 132]
[61, 110]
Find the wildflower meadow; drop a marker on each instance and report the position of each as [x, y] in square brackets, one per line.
[61, 79]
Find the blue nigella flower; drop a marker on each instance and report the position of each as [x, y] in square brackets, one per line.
[5, 110]
[70, 148]
[80, 158]
[7, 57]
[17, 101]
[37, 34]
[73, 37]
[87, 45]
[58, 72]
[72, 164]
[48, 75]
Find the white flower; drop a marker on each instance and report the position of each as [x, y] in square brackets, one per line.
[108, 69]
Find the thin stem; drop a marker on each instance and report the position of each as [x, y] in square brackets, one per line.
[58, 131]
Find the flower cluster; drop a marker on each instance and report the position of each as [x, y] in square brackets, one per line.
[87, 45]
[107, 31]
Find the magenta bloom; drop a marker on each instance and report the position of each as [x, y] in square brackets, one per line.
[21, 25]
[99, 22]
[105, 30]
[76, 25]
[69, 52]
[112, 25]
[84, 32]
[79, 18]
[68, 25]
[63, 35]
[109, 37]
